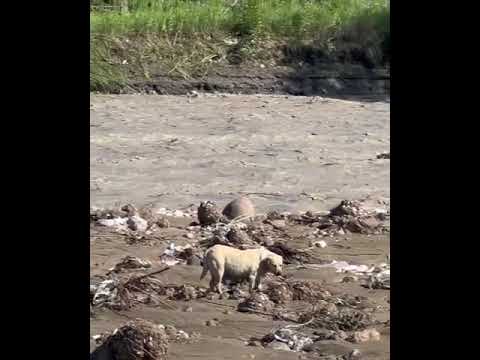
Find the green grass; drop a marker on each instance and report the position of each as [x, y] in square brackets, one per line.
[291, 18]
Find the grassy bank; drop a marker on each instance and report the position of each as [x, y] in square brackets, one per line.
[188, 37]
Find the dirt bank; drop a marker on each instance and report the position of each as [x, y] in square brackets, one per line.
[166, 66]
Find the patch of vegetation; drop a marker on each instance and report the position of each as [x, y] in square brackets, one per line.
[188, 37]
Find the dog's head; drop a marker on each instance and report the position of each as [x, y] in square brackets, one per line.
[273, 263]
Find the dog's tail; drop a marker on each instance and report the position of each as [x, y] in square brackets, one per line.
[205, 269]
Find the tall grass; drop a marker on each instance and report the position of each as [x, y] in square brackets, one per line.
[286, 18]
[187, 37]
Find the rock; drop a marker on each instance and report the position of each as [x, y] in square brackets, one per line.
[349, 279]
[241, 207]
[188, 309]
[385, 155]
[239, 294]
[227, 312]
[208, 213]
[211, 323]
[278, 345]
[254, 343]
[354, 354]
[163, 222]
[364, 336]
[213, 296]
[189, 235]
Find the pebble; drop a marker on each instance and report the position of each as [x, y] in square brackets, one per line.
[189, 236]
[321, 244]
[278, 345]
[211, 323]
[278, 223]
[355, 354]
[348, 279]
[188, 309]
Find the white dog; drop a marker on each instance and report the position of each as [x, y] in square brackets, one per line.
[237, 265]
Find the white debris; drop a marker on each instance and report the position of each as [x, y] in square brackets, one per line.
[106, 292]
[365, 335]
[321, 244]
[378, 276]
[176, 213]
[169, 256]
[295, 340]
[117, 223]
[136, 223]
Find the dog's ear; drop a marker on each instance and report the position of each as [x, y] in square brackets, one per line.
[266, 263]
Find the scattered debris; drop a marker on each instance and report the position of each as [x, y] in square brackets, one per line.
[364, 336]
[187, 292]
[176, 254]
[238, 237]
[279, 293]
[131, 262]
[275, 215]
[379, 277]
[289, 254]
[345, 319]
[277, 345]
[384, 155]
[358, 216]
[208, 213]
[139, 340]
[188, 212]
[136, 223]
[119, 223]
[257, 302]
[97, 214]
[108, 294]
[324, 334]
[309, 291]
[295, 340]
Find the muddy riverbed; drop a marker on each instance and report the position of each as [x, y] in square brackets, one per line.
[287, 154]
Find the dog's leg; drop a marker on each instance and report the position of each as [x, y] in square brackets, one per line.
[253, 281]
[221, 271]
